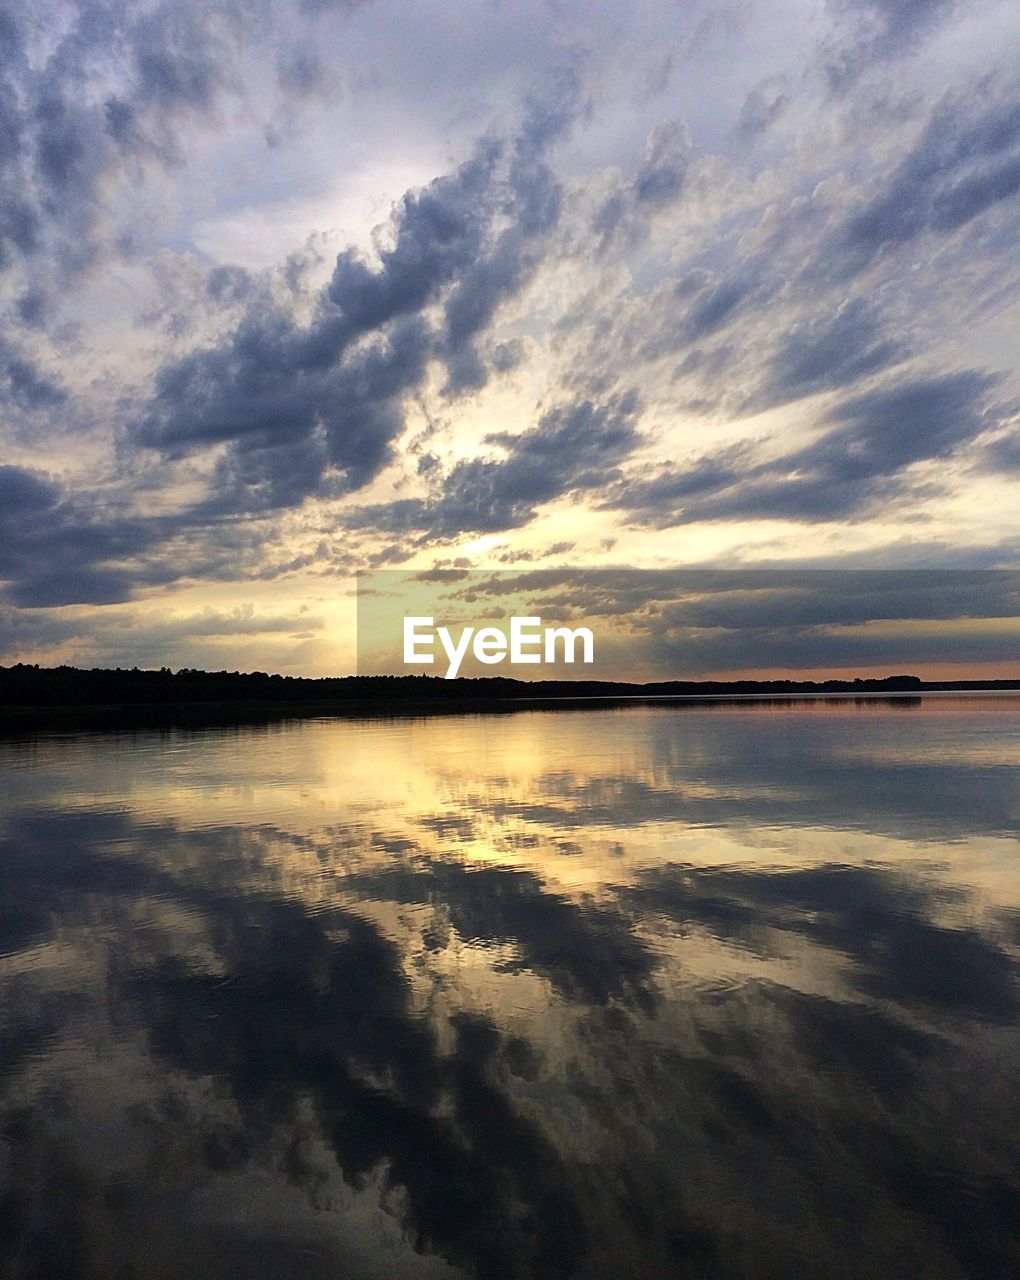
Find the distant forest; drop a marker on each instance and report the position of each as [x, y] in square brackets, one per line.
[26, 685]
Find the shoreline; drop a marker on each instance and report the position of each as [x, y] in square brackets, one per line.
[226, 712]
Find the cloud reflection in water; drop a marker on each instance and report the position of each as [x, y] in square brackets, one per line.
[715, 991]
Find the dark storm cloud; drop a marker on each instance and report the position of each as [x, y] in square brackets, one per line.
[873, 437]
[59, 546]
[572, 449]
[317, 408]
[55, 550]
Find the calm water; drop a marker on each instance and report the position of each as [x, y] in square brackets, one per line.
[717, 991]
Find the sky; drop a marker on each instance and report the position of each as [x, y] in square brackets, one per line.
[293, 289]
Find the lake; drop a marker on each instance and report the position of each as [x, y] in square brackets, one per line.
[708, 990]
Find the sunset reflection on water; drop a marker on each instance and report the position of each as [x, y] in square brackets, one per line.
[707, 990]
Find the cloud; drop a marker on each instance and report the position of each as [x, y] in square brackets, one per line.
[683, 623]
[872, 439]
[24, 385]
[118, 95]
[1003, 453]
[660, 181]
[51, 553]
[827, 351]
[824, 287]
[317, 408]
[675, 624]
[62, 546]
[965, 161]
[46, 555]
[572, 449]
[760, 239]
[58, 550]
[69, 141]
[715, 305]
[875, 32]
[142, 637]
[762, 107]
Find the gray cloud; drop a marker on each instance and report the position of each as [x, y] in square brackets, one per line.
[572, 449]
[762, 108]
[965, 161]
[24, 385]
[61, 546]
[1003, 453]
[212, 638]
[119, 94]
[873, 437]
[770, 241]
[66, 141]
[51, 553]
[317, 408]
[756, 598]
[873, 32]
[830, 290]
[659, 182]
[681, 623]
[827, 351]
[715, 305]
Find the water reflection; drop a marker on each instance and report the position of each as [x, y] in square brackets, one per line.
[715, 991]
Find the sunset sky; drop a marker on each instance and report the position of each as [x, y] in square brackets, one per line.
[292, 290]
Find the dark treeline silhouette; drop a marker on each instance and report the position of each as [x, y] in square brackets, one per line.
[26, 685]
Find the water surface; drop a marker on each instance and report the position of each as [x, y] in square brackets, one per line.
[703, 991]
